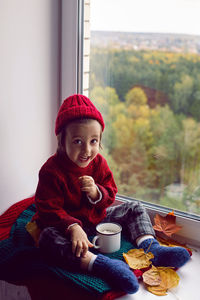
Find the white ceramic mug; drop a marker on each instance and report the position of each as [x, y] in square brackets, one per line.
[108, 237]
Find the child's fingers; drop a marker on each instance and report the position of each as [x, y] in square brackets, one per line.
[74, 243]
[78, 249]
[86, 179]
[87, 183]
[90, 245]
[85, 189]
[84, 249]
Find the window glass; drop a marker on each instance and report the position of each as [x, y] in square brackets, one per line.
[142, 70]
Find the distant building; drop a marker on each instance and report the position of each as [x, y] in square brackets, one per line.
[179, 43]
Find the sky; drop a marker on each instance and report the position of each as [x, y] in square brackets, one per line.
[163, 16]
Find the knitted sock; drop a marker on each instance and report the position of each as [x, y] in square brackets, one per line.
[116, 272]
[165, 256]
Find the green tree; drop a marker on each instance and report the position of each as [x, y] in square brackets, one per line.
[190, 153]
[107, 101]
[167, 144]
[182, 94]
[136, 96]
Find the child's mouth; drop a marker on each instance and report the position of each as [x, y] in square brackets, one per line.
[84, 158]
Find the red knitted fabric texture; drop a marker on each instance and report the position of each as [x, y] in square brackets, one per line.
[74, 107]
[8, 218]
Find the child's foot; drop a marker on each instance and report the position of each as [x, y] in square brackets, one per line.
[116, 272]
[165, 256]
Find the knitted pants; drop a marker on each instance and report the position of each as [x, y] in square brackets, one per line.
[132, 216]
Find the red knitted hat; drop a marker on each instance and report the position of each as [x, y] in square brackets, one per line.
[75, 107]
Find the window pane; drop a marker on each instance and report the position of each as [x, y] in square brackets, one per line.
[142, 70]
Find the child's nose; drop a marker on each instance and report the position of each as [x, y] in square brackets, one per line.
[86, 149]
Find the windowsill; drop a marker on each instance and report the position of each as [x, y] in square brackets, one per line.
[190, 232]
[189, 273]
[188, 287]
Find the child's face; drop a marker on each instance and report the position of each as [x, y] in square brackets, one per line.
[82, 142]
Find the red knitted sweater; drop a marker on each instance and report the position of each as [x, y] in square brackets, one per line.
[59, 200]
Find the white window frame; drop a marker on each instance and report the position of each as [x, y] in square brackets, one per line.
[190, 232]
[71, 82]
[71, 67]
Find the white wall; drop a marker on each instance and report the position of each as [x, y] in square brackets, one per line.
[29, 93]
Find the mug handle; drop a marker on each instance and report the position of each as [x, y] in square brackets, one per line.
[94, 242]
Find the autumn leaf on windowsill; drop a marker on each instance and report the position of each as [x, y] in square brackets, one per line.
[168, 279]
[138, 259]
[166, 224]
[152, 277]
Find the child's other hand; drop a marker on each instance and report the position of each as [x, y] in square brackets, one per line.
[89, 187]
[80, 242]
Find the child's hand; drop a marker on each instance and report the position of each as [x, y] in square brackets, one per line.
[88, 185]
[80, 242]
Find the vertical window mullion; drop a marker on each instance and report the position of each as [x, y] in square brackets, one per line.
[69, 47]
[80, 38]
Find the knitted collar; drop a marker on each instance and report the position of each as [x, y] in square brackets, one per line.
[67, 164]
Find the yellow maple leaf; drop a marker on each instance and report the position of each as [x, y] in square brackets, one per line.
[152, 277]
[169, 279]
[138, 259]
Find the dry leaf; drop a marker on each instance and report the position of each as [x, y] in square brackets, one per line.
[34, 231]
[166, 224]
[138, 259]
[169, 279]
[152, 277]
[171, 213]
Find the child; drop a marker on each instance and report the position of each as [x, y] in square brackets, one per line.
[74, 194]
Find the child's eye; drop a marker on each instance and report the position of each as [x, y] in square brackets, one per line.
[94, 141]
[79, 142]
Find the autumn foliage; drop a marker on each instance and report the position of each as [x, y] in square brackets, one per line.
[150, 104]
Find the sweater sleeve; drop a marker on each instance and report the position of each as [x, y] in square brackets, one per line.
[106, 184]
[49, 199]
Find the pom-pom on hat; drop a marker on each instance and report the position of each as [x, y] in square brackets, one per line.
[75, 107]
